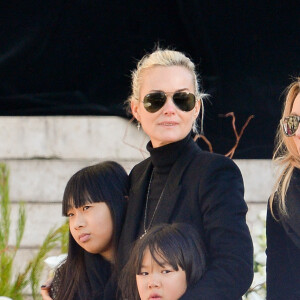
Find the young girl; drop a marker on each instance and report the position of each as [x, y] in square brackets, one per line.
[163, 263]
[94, 201]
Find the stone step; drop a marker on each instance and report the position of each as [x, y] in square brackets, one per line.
[44, 180]
[68, 137]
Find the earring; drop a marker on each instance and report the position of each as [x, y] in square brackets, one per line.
[138, 126]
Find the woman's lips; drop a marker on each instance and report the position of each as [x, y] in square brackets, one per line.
[168, 123]
[84, 237]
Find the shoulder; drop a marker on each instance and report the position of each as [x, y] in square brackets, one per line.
[292, 196]
[140, 167]
[210, 163]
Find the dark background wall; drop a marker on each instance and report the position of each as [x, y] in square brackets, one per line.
[74, 58]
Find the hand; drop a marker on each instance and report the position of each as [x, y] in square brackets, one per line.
[45, 290]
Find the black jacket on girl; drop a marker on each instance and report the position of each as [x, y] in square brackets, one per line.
[98, 271]
[206, 190]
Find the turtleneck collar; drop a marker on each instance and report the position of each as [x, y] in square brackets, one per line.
[164, 157]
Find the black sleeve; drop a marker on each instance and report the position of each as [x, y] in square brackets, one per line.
[230, 251]
[291, 222]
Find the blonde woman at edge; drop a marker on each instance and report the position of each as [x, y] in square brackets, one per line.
[181, 183]
[283, 216]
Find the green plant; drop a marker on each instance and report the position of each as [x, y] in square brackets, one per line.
[13, 286]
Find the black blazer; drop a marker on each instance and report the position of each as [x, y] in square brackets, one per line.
[205, 190]
[283, 246]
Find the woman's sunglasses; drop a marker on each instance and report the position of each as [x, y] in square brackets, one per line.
[290, 125]
[153, 102]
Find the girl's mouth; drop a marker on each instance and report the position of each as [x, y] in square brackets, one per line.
[154, 296]
[84, 237]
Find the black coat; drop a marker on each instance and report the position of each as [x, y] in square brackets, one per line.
[283, 246]
[205, 190]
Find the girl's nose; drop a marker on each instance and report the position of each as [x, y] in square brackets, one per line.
[79, 222]
[154, 282]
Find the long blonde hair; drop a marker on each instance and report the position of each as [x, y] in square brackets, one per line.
[285, 154]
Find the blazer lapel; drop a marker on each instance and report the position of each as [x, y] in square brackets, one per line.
[135, 208]
[173, 184]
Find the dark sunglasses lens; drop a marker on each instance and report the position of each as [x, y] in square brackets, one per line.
[154, 102]
[184, 101]
[290, 125]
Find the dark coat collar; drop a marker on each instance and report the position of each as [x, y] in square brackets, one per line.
[171, 193]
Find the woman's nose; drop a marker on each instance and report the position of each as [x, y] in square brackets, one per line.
[169, 108]
[297, 133]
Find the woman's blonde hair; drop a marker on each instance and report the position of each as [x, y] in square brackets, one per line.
[286, 154]
[167, 58]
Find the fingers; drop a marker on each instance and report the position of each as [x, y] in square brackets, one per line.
[45, 294]
[45, 288]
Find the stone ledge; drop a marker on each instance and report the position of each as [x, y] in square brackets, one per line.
[68, 137]
[259, 178]
[45, 180]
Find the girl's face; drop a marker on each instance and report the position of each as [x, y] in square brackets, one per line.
[169, 124]
[92, 228]
[156, 282]
[296, 111]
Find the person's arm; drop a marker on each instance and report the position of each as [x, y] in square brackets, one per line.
[291, 222]
[230, 251]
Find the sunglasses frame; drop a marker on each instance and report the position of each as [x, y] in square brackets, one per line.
[282, 121]
[166, 94]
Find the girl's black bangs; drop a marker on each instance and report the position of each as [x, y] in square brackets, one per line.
[166, 255]
[80, 191]
[162, 254]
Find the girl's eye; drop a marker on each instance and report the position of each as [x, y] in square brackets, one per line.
[166, 271]
[86, 207]
[143, 273]
[70, 215]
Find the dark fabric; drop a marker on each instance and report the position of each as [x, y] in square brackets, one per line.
[283, 246]
[162, 159]
[98, 272]
[205, 190]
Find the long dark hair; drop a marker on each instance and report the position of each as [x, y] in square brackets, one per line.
[104, 182]
[177, 244]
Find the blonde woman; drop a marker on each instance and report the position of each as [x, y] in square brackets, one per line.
[283, 217]
[182, 183]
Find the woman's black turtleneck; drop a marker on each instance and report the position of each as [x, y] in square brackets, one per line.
[163, 159]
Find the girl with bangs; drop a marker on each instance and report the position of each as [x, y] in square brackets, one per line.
[283, 222]
[94, 201]
[163, 263]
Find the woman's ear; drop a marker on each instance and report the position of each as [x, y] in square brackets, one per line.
[197, 109]
[135, 109]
